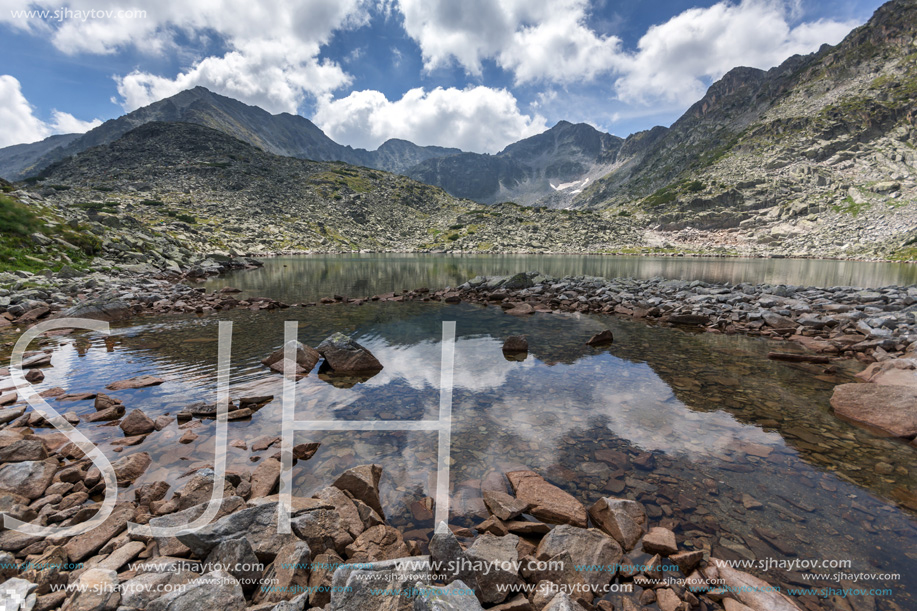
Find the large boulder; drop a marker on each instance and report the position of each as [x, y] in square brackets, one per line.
[586, 547]
[362, 483]
[258, 524]
[356, 587]
[171, 546]
[456, 596]
[28, 478]
[214, 591]
[306, 358]
[323, 530]
[500, 558]
[751, 591]
[109, 310]
[623, 519]
[887, 409]
[343, 355]
[548, 502]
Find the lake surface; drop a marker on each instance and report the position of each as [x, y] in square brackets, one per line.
[306, 278]
[738, 453]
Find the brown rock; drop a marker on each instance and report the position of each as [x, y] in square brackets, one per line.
[137, 423]
[624, 520]
[104, 401]
[306, 358]
[660, 541]
[82, 546]
[362, 483]
[29, 478]
[22, 450]
[34, 376]
[343, 354]
[265, 477]
[378, 543]
[136, 382]
[503, 505]
[601, 339]
[549, 503]
[889, 410]
[516, 343]
[131, 467]
[305, 451]
[105, 415]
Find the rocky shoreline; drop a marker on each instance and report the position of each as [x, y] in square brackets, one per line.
[342, 553]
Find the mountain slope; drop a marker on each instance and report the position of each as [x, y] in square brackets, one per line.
[212, 192]
[283, 134]
[547, 169]
[819, 153]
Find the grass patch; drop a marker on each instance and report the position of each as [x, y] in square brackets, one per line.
[848, 206]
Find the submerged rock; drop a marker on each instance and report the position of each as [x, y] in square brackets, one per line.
[306, 358]
[891, 410]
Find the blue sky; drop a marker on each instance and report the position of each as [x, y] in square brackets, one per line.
[476, 74]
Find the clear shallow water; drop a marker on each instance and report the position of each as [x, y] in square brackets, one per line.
[720, 420]
[307, 278]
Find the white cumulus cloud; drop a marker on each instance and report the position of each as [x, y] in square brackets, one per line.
[478, 119]
[272, 46]
[673, 60]
[534, 39]
[20, 125]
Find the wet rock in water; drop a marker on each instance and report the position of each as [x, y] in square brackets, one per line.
[891, 410]
[135, 382]
[105, 415]
[548, 502]
[660, 541]
[603, 338]
[101, 309]
[456, 596]
[216, 590]
[516, 343]
[355, 587]
[305, 451]
[103, 402]
[688, 319]
[34, 376]
[137, 423]
[131, 467]
[362, 483]
[306, 358]
[521, 309]
[8, 415]
[343, 355]
[9, 398]
[36, 360]
[28, 478]
[503, 505]
[265, 478]
[623, 519]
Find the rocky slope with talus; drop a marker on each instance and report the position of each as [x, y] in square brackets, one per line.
[815, 156]
[213, 193]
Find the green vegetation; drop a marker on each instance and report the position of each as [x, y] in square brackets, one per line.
[150, 202]
[19, 250]
[851, 207]
[694, 186]
[95, 205]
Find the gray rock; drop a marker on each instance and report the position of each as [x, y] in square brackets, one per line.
[354, 585]
[343, 354]
[258, 524]
[456, 596]
[217, 590]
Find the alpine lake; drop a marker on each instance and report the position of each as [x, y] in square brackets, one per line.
[740, 453]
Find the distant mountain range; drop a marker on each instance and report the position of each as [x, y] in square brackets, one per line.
[546, 166]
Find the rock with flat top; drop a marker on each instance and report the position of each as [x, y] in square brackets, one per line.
[887, 409]
[343, 354]
[548, 502]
